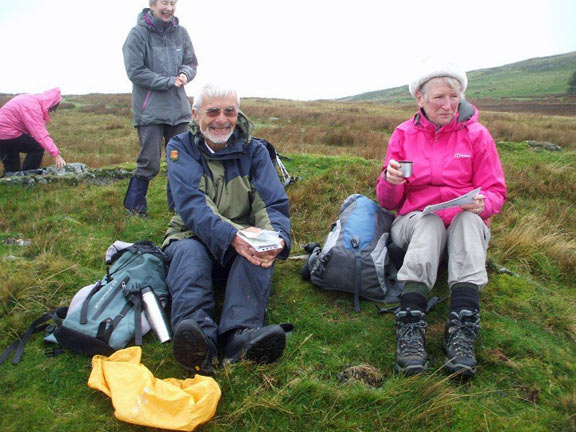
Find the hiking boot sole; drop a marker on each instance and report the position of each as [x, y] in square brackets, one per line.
[266, 348]
[138, 213]
[190, 348]
[411, 370]
[458, 368]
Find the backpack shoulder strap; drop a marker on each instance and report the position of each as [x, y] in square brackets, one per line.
[108, 325]
[135, 299]
[431, 303]
[86, 302]
[17, 347]
[357, 272]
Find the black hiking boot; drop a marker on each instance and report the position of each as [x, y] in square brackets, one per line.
[262, 345]
[193, 349]
[459, 338]
[411, 356]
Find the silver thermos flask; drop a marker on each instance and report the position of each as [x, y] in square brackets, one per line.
[155, 314]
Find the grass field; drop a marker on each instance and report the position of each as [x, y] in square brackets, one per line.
[527, 369]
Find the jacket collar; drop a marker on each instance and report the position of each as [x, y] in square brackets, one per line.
[147, 19]
[466, 112]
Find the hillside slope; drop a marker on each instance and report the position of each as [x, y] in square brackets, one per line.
[533, 78]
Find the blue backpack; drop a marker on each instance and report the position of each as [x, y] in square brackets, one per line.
[355, 257]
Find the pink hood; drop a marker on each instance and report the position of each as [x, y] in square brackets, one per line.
[448, 162]
[27, 114]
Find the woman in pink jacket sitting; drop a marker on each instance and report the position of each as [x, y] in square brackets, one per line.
[451, 154]
[23, 130]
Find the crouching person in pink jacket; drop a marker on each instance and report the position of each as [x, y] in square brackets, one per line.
[23, 130]
[452, 154]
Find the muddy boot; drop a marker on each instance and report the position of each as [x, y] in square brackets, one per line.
[135, 198]
[411, 356]
[193, 350]
[460, 334]
[262, 345]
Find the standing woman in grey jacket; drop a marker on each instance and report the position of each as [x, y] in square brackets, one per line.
[160, 61]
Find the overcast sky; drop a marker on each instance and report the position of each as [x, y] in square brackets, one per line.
[298, 49]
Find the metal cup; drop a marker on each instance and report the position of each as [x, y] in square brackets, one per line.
[406, 168]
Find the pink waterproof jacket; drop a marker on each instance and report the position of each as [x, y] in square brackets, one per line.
[448, 162]
[27, 114]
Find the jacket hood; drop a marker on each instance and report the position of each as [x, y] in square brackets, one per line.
[146, 19]
[467, 113]
[47, 100]
[244, 128]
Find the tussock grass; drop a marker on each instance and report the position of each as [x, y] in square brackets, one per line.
[537, 127]
[555, 179]
[532, 246]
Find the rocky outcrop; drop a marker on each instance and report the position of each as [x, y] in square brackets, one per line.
[72, 173]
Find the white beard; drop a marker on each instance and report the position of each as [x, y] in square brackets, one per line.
[219, 139]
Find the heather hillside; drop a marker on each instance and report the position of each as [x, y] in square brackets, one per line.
[541, 79]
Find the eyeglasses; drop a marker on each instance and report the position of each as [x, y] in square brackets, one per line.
[215, 112]
[166, 3]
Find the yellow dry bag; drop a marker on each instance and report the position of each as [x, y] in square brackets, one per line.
[141, 399]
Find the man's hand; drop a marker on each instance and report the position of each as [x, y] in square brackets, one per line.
[267, 258]
[243, 249]
[262, 259]
[393, 175]
[59, 162]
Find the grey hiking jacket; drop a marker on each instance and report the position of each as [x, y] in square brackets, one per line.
[154, 54]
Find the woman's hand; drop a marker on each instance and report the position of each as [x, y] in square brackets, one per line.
[392, 174]
[181, 80]
[59, 162]
[477, 206]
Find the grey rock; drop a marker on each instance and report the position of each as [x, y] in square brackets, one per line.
[544, 145]
[17, 242]
[72, 173]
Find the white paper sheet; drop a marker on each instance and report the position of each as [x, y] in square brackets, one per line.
[456, 202]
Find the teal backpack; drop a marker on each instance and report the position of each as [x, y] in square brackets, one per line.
[107, 315]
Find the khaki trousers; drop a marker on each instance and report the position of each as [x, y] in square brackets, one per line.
[425, 239]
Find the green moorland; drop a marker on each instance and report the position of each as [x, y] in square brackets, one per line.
[528, 79]
[527, 369]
